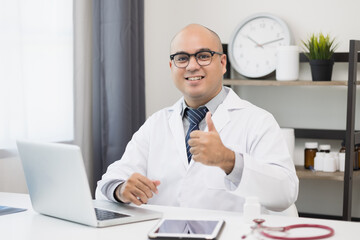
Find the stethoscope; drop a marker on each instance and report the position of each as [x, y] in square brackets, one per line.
[266, 231]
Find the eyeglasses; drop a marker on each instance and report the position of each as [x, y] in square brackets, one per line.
[203, 58]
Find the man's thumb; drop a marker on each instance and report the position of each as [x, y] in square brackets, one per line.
[156, 182]
[209, 122]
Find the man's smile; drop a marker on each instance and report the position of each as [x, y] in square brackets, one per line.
[195, 78]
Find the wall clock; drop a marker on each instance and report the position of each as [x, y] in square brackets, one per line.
[253, 44]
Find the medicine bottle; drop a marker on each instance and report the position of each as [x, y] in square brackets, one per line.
[356, 164]
[311, 149]
[342, 149]
[325, 148]
[342, 162]
[357, 149]
[252, 209]
[329, 163]
[319, 161]
[356, 161]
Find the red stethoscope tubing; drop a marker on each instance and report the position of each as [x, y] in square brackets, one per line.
[287, 228]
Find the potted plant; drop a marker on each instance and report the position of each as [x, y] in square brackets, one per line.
[319, 49]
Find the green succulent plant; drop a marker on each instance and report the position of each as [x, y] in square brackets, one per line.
[319, 47]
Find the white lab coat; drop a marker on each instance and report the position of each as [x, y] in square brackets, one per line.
[157, 150]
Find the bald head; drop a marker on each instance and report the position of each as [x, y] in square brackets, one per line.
[197, 29]
[198, 82]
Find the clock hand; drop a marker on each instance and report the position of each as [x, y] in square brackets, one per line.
[272, 41]
[257, 44]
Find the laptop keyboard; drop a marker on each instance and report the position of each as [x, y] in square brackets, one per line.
[106, 215]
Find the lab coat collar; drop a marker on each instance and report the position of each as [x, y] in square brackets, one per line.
[222, 114]
[231, 102]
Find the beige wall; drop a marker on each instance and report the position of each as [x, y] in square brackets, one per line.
[12, 177]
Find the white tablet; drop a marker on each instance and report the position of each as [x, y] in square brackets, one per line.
[186, 229]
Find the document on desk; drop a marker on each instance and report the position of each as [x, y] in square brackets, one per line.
[8, 210]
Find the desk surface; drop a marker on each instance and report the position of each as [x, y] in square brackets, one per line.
[31, 225]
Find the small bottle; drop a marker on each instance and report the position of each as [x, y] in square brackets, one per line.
[342, 162]
[358, 154]
[252, 209]
[356, 161]
[319, 161]
[329, 163]
[342, 149]
[335, 155]
[325, 148]
[356, 157]
[311, 149]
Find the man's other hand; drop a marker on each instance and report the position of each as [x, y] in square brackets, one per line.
[138, 189]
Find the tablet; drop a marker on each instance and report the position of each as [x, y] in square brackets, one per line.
[186, 229]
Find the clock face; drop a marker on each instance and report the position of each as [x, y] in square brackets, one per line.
[253, 47]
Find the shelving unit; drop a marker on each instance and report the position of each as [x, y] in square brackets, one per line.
[349, 134]
[351, 138]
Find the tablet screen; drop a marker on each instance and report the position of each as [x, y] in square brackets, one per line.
[174, 228]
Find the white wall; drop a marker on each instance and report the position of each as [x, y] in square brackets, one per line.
[301, 107]
[163, 18]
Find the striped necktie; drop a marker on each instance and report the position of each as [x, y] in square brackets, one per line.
[194, 116]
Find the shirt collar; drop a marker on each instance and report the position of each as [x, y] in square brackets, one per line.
[212, 105]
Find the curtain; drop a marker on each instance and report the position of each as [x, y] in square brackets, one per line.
[118, 78]
[83, 83]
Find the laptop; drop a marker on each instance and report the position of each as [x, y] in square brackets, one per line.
[58, 187]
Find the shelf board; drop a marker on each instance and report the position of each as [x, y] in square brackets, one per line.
[320, 133]
[303, 173]
[243, 82]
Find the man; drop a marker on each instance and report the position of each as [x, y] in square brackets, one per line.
[238, 151]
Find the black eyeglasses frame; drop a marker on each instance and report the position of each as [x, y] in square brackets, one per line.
[172, 56]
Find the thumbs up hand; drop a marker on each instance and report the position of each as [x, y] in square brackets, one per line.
[207, 148]
[210, 123]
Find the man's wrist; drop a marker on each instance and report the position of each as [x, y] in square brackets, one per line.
[228, 161]
[117, 193]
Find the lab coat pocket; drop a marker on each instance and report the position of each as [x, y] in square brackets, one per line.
[214, 178]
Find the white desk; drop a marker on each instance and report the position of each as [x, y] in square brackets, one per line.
[31, 225]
